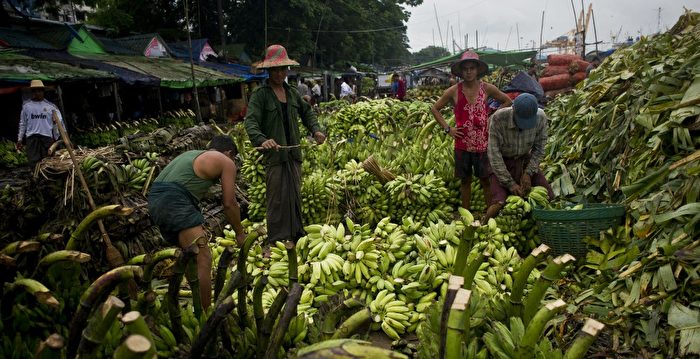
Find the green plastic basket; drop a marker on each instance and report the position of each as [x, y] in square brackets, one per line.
[564, 230]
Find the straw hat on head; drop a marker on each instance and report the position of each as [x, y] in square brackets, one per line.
[473, 57]
[36, 84]
[276, 56]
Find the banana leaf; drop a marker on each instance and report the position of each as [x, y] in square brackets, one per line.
[687, 321]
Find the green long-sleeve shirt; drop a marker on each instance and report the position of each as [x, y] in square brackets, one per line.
[264, 120]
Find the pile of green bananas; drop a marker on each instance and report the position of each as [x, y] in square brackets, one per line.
[318, 204]
[9, 156]
[253, 173]
[423, 93]
[423, 197]
[393, 314]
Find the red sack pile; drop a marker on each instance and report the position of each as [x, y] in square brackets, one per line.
[563, 71]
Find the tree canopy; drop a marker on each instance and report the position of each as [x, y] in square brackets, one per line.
[315, 32]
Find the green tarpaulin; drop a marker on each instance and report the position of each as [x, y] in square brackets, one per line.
[172, 73]
[493, 58]
[19, 68]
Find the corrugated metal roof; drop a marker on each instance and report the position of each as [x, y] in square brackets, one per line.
[182, 51]
[114, 47]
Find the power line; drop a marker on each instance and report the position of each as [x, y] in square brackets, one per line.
[340, 31]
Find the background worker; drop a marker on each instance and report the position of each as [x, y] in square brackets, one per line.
[173, 201]
[470, 100]
[272, 120]
[517, 136]
[37, 131]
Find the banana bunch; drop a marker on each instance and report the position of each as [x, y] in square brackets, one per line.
[421, 196]
[362, 258]
[306, 302]
[316, 198]
[321, 241]
[393, 242]
[278, 271]
[423, 93]
[539, 197]
[253, 173]
[373, 204]
[516, 224]
[393, 314]
[297, 331]
[409, 226]
[497, 272]
[441, 234]
[478, 201]
[90, 164]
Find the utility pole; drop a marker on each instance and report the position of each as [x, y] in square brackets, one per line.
[658, 21]
[438, 25]
[595, 32]
[194, 81]
[583, 33]
[453, 39]
[517, 33]
[433, 37]
[541, 30]
[477, 40]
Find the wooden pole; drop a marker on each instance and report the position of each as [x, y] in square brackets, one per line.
[59, 91]
[595, 32]
[117, 102]
[114, 257]
[194, 80]
[541, 30]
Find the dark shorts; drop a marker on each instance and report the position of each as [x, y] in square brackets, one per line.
[173, 208]
[283, 192]
[37, 147]
[515, 167]
[469, 164]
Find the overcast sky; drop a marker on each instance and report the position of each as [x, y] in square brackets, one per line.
[496, 19]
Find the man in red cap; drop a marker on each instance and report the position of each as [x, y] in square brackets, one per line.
[272, 123]
[469, 98]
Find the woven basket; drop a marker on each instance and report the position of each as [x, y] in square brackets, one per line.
[564, 230]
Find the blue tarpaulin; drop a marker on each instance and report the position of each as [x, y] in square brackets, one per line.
[234, 69]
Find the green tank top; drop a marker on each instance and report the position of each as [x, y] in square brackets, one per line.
[180, 171]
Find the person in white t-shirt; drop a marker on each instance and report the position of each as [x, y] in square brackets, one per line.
[37, 132]
[346, 91]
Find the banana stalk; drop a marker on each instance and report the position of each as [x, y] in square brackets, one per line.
[455, 283]
[241, 265]
[463, 249]
[39, 291]
[49, 238]
[551, 273]
[50, 348]
[208, 331]
[233, 283]
[588, 335]
[157, 257]
[328, 328]
[290, 310]
[98, 326]
[472, 268]
[6, 260]
[146, 302]
[96, 293]
[95, 215]
[193, 280]
[21, 247]
[536, 256]
[258, 310]
[140, 260]
[347, 348]
[458, 325]
[350, 325]
[174, 289]
[536, 326]
[134, 347]
[64, 255]
[136, 325]
[270, 320]
[224, 262]
[292, 258]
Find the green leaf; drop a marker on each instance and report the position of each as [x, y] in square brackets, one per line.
[665, 275]
[690, 209]
[688, 322]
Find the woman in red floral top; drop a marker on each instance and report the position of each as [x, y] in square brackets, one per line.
[469, 98]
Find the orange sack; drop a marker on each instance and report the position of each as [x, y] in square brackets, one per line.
[552, 70]
[555, 82]
[562, 59]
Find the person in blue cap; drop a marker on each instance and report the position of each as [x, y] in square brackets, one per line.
[517, 136]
